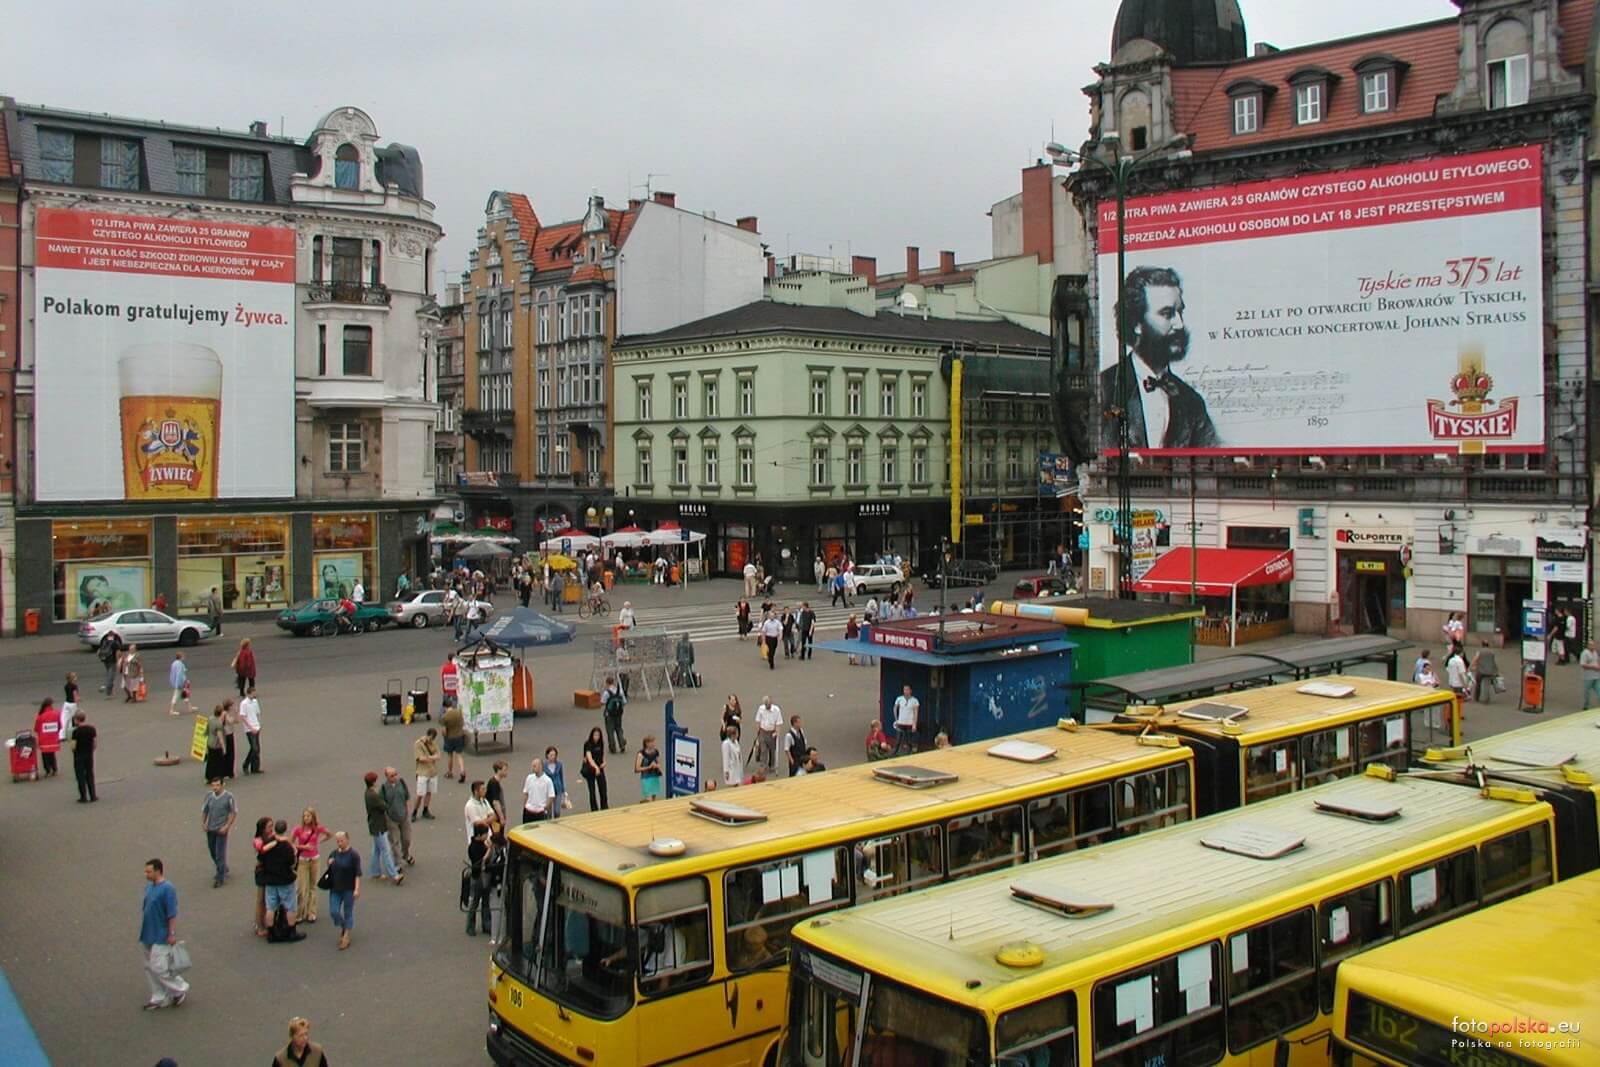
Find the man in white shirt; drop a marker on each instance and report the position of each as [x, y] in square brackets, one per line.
[769, 720]
[359, 594]
[478, 809]
[474, 614]
[906, 710]
[626, 617]
[538, 791]
[250, 712]
[750, 579]
[771, 630]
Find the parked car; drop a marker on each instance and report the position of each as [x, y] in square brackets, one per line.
[419, 609]
[316, 617]
[962, 572]
[1038, 586]
[875, 578]
[143, 626]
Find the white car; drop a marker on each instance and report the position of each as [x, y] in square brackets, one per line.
[876, 578]
[419, 609]
[143, 626]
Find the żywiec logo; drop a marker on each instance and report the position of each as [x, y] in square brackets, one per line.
[1476, 418]
[169, 452]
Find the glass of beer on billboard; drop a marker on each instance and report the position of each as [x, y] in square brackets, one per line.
[171, 407]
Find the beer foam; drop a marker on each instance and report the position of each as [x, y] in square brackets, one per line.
[174, 369]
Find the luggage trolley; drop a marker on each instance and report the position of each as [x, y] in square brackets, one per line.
[391, 706]
[24, 757]
[419, 698]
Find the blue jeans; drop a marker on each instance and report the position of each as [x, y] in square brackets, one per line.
[383, 856]
[342, 903]
[217, 846]
[282, 896]
[1591, 687]
[905, 739]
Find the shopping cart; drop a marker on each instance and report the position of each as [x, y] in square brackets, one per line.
[391, 705]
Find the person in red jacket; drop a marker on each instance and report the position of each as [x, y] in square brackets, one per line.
[47, 729]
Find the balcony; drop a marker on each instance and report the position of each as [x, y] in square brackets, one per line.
[488, 480]
[496, 422]
[347, 293]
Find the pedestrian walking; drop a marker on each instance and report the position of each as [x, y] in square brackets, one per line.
[217, 814]
[158, 936]
[250, 715]
[477, 808]
[906, 710]
[594, 770]
[794, 745]
[343, 879]
[396, 806]
[557, 774]
[47, 735]
[558, 590]
[819, 571]
[454, 613]
[741, 612]
[613, 704]
[131, 668]
[647, 764]
[790, 638]
[83, 744]
[537, 793]
[749, 579]
[1589, 662]
[425, 750]
[732, 756]
[244, 666]
[216, 746]
[230, 726]
[383, 865]
[806, 623]
[71, 693]
[626, 617]
[178, 679]
[1485, 674]
[474, 614]
[307, 839]
[110, 654]
[214, 611]
[480, 886]
[301, 1051]
[841, 591]
[769, 720]
[277, 874]
[359, 593]
[454, 724]
[771, 631]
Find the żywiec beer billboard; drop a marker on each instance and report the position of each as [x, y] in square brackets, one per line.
[1387, 309]
[164, 358]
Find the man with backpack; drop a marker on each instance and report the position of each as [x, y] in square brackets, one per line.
[110, 653]
[612, 703]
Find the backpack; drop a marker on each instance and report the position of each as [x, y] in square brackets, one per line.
[614, 703]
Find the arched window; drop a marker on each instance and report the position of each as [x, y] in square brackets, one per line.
[1505, 52]
[1133, 120]
[347, 167]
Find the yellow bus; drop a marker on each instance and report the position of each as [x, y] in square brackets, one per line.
[659, 933]
[1510, 986]
[1212, 942]
[1559, 758]
[1259, 743]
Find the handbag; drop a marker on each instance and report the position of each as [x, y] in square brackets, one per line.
[178, 960]
[325, 880]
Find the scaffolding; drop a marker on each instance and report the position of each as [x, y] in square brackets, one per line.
[651, 658]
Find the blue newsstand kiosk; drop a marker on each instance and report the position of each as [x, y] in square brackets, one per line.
[976, 676]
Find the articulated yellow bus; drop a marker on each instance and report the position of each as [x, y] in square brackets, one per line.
[659, 933]
[1558, 758]
[1259, 743]
[1514, 985]
[1213, 942]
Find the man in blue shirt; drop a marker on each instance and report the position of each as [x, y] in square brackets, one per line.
[158, 933]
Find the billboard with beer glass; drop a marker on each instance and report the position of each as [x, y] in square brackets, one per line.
[164, 358]
[1396, 308]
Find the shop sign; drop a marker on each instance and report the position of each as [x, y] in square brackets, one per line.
[875, 509]
[1371, 537]
[1109, 515]
[1144, 542]
[1498, 545]
[1562, 553]
[914, 642]
[692, 511]
[1371, 566]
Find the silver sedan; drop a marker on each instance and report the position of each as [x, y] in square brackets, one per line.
[419, 609]
[143, 626]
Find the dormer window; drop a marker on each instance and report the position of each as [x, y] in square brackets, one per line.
[1380, 83]
[1134, 119]
[1505, 47]
[347, 167]
[1249, 104]
[1312, 87]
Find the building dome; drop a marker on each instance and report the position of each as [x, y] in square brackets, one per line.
[1194, 31]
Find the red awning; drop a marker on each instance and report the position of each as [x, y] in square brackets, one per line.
[1217, 571]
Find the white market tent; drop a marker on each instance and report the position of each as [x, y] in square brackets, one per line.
[667, 536]
[570, 540]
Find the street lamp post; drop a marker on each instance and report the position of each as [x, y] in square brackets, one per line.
[1121, 172]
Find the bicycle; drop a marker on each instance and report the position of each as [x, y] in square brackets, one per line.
[595, 606]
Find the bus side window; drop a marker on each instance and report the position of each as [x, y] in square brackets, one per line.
[1271, 770]
[1383, 741]
[1272, 980]
[674, 935]
[1066, 821]
[885, 866]
[984, 841]
[1166, 1012]
[1043, 1034]
[1350, 923]
[1430, 726]
[1431, 894]
[1515, 863]
[764, 900]
[1152, 799]
[1327, 754]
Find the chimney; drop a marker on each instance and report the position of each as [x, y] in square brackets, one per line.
[913, 259]
[1265, 49]
[748, 222]
[633, 204]
[666, 199]
[772, 265]
[947, 262]
[1038, 212]
[866, 266]
[258, 128]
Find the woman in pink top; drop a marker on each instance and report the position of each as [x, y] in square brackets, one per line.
[307, 837]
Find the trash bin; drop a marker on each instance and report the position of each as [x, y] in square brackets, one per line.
[30, 621]
[1532, 691]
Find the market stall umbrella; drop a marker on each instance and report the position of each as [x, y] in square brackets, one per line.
[570, 539]
[626, 537]
[525, 628]
[484, 550]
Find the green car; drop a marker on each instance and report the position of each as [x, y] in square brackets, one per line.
[316, 617]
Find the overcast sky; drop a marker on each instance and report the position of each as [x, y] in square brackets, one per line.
[845, 126]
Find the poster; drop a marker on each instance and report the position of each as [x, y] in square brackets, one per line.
[336, 575]
[1384, 309]
[167, 345]
[1562, 553]
[485, 692]
[96, 588]
[1145, 538]
[197, 576]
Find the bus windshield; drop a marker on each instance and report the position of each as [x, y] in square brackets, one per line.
[565, 934]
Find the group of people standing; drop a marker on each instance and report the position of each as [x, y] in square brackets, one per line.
[67, 725]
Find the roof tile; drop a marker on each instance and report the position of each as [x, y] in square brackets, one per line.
[766, 316]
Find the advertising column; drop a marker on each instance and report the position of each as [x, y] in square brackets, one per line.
[166, 347]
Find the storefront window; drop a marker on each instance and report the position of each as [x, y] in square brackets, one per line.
[100, 566]
[734, 546]
[244, 557]
[342, 554]
[1499, 586]
[836, 543]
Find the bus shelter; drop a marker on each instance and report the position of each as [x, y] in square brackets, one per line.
[975, 676]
